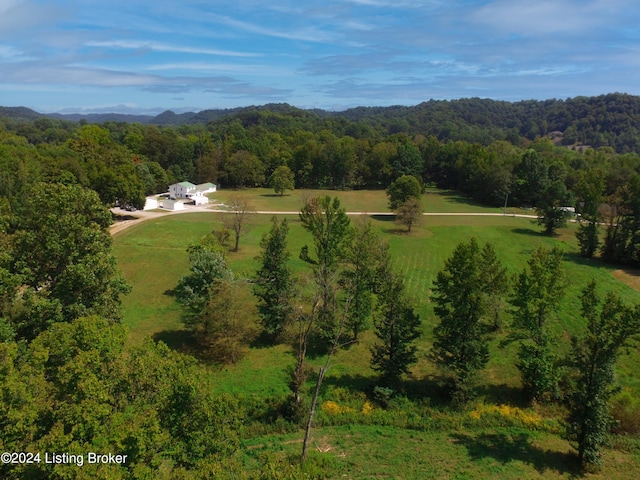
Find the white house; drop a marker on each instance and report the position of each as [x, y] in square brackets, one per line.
[181, 190]
[189, 190]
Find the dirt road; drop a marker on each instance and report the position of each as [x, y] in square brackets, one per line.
[133, 218]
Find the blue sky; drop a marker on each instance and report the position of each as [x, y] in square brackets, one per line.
[145, 56]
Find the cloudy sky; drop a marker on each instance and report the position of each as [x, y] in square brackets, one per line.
[146, 56]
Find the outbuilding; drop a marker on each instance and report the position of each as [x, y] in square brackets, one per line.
[151, 203]
[173, 205]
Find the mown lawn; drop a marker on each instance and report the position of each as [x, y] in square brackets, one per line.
[354, 200]
[153, 257]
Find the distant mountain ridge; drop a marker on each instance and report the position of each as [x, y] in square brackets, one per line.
[606, 120]
[167, 117]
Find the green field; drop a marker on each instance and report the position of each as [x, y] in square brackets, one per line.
[354, 200]
[152, 256]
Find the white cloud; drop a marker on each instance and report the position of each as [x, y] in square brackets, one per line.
[161, 47]
[309, 34]
[9, 52]
[231, 68]
[18, 16]
[545, 17]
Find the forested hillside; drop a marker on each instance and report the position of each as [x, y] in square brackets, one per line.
[507, 159]
[608, 120]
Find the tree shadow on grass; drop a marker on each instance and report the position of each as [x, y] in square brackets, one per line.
[265, 340]
[384, 218]
[455, 197]
[390, 219]
[506, 448]
[528, 231]
[503, 394]
[317, 347]
[432, 388]
[180, 340]
[576, 258]
[123, 217]
[355, 383]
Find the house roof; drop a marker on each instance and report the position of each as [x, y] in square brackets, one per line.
[186, 184]
[205, 186]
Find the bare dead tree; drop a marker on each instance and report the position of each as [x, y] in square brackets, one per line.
[305, 323]
[237, 220]
[335, 346]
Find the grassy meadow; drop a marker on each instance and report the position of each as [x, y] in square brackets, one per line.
[413, 440]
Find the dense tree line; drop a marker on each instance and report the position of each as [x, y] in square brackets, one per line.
[606, 120]
[288, 148]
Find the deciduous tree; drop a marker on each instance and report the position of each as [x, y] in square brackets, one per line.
[226, 326]
[329, 225]
[404, 188]
[63, 250]
[282, 179]
[208, 266]
[530, 179]
[550, 210]
[365, 254]
[244, 169]
[409, 213]
[610, 327]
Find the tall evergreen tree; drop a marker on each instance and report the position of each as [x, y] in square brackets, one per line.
[274, 285]
[397, 327]
[589, 192]
[495, 284]
[538, 292]
[461, 342]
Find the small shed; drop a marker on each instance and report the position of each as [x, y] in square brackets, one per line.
[151, 203]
